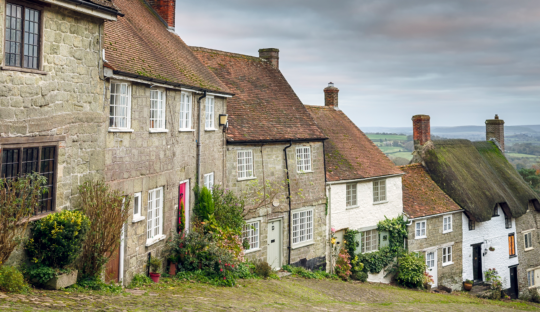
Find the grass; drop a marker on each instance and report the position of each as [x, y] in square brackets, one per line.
[390, 149]
[406, 155]
[389, 137]
[518, 155]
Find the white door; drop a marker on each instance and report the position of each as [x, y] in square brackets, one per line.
[274, 244]
[431, 262]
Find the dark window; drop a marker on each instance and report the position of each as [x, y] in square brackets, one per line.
[508, 222]
[472, 225]
[22, 36]
[511, 245]
[496, 211]
[21, 161]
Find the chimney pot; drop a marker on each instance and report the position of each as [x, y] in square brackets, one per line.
[495, 130]
[271, 55]
[165, 9]
[331, 95]
[421, 129]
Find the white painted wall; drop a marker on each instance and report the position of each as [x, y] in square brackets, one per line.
[492, 233]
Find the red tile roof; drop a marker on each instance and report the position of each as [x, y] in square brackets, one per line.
[140, 44]
[350, 154]
[421, 195]
[265, 107]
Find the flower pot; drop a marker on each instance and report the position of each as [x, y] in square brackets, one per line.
[172, 269]
[155, 277]
[62, 281]
[467, 286]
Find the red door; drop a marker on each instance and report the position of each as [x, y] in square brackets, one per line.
[182, 207]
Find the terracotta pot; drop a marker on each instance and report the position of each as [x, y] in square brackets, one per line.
[467, 286]
[155, 277]
[172, 269]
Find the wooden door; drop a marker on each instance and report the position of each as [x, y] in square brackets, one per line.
[477, 263]
[513, 291]
[112, 268]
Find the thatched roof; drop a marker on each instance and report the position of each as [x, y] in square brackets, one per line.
[477, 176]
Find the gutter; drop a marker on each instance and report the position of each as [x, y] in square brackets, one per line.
[435, 215]
[90, 8]
[366, 179]
[290, 204]
[199, 139]
[229, 141]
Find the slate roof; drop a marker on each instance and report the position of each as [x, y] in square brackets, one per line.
[477, 176]
[350, 154]
[421, 196]
[264, 108]
[140, 45]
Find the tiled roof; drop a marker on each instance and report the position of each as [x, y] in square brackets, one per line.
[421, 196]
[264, 107]
[140, 44]
[350, 154]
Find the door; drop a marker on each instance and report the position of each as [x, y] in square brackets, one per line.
[513, 291]
[274, 244]
[183, 206]
[431, 263]
[477, 263]
[112, 267]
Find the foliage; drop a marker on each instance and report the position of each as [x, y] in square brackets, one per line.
[350, 242]
[226, 238]
[343, 265]
[428, 279]
[494, 279]
[139, 280]
[19, 198]
[182, 225]
[263, 269]
[154, 264]
[57, 239]
[12, 280]
[375, 262]
[105, 209]
[357, 269]
[40, 274]
[263, 194]
[531, 295]
[204, 204]
[397, 232]
[305, 273]
[228, 209]
[93, 283]
[409, 270]
[531, 176]
[334, 250]
[360, 276]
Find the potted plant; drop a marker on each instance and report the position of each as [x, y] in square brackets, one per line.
[154, 264]
[468, 285]
[491, 248]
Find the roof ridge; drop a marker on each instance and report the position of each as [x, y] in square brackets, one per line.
[318, 106]
[410, 165]
[231, 54]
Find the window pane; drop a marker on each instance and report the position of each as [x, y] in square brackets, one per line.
[13, 40]
[48, 157]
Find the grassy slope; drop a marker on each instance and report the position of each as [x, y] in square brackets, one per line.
[387, 137]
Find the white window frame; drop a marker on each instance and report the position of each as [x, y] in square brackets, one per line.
[137, 208]
[209, 180]
[302, 227]
[252, 231]
[157, 110]
[186, 111]
[447, 256]
[527, 241]
[303, 159]
[118, 96]
[209, 114]
[377, 197]
[447, 224]
[418, 229]
[154, 223]
[244, 165]
[351, 195]
[532, 281]
[374, 238]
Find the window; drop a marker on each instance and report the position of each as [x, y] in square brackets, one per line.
[155, 214]
[137, 207]
[251, 233]
[472, 225]
[22, 39]
[303, 159]
[21, 161]
[120, 106]
[351, 194]
[302, 227]
[209, 114]
[370, 241]
[379, 191]
[157, 110]
[447, 255]
[496, 211]
[209, 181]
[420, 229]
[530, 278]
[511, 245]
[528, 241]
[185, 111]
[447, 224]
[508, 222]
[245, 164]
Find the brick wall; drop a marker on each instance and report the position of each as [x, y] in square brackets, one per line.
[530, 258]
[495, 129]
[421, 129]
[165, 9]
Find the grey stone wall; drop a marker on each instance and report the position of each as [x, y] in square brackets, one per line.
[528, 259]
[450, 275]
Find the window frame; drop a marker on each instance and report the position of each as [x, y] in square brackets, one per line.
[306, 241]
[507, 222]
[210, 116]
[183, 126]
[206, 178]
[301, 165]
[449, 227]
[512, 245]
[351, 188]
[364, 240]
[377, 198]
[151, 219]
[238, 171]
[447, 257]
[416, 229]
[249, 223]
[528, 242]
[163, 101]
[137, 217]
[531, 273]
[127, 128]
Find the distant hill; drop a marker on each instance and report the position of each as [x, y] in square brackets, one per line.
[459, 131]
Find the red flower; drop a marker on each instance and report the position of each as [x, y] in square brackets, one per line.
[224, 277]
[221, 270]
[219, 261]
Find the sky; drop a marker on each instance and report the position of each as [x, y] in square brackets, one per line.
[460, 61]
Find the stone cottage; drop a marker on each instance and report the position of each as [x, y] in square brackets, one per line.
[275, 157]
[363, 186]
[51, 95]
[163, 134]
[479, 178]
[434, 227]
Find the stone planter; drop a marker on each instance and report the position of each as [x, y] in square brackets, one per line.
[62, 281]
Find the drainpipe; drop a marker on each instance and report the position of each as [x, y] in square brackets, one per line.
[199, 139]
[289, 197]
[121, 264]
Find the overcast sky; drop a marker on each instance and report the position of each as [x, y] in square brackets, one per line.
[460, 61]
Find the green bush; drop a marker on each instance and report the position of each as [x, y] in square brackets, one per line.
[154, 264]
[305, 273]
[360, 276]
[410, 269]
[263, 269]
[139, 280]
[228, 209]
[92, 283]
[39, 274]
[12, 280]
[204, 204]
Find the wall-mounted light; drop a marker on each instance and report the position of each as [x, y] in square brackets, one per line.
[223, 119]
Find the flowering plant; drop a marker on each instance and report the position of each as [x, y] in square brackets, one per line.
[343, 265]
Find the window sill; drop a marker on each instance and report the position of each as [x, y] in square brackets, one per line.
[421, 237]
[448, 232]
[529, 249]
[137, 219]
[300, 172]
[155, 240]
[25, 70]
[186, 130]
[304, 244]
[36, 217]
[447, 264]
[513, 256]
[121, 130]
[158, 130]
[251, 250]
[380, 202]
[209, 130]
[246, 179]
[352, 207]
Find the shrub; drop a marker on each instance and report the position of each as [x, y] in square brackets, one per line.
[93, 283]
[154, 264]
[343, 265]
[19, 198]
[39, 274]
[139, 280]
[263, 269]
[305, 273]
[12, 280]
[104, 208]
[204, 204]
[493, 277]
[228, 209]
[410, 269]
[360, 276]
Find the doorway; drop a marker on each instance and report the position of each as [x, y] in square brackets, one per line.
[274, 244]
[513, 291]
[431, 263]
[183, 205]
[477, 263]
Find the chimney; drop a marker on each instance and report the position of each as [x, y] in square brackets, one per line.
[331, 95]
[421, 129]
[271, 55]
[165, 9]
[495, 130]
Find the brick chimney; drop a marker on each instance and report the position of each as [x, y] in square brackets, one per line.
[331, 95]
[165, 9]
[421, 129]
[271, 55]
[495, 130]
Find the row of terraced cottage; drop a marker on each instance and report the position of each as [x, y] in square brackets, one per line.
[107, 89]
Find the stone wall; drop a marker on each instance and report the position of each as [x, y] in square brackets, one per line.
[447, 275]
[530, 258]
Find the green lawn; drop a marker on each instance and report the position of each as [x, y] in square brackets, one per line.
[406, 155]
[388, 137]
